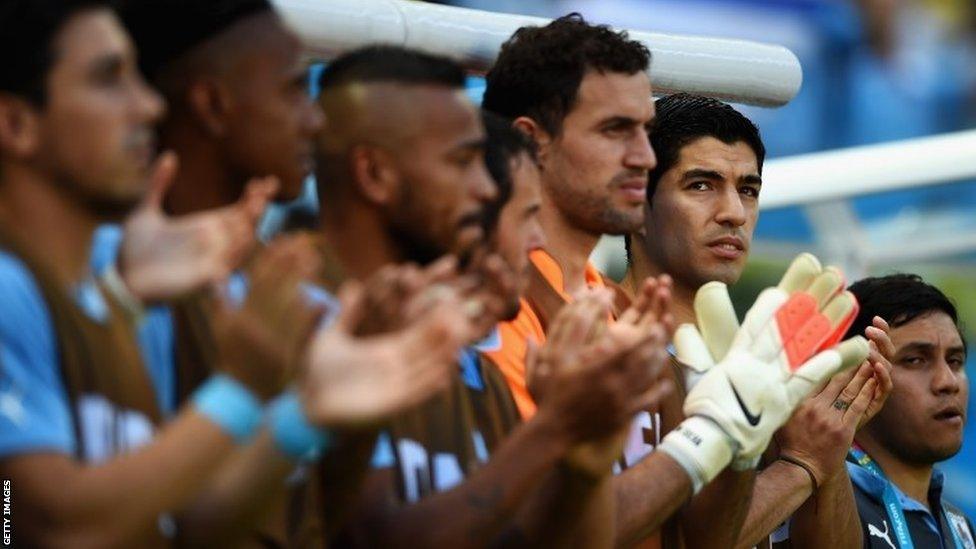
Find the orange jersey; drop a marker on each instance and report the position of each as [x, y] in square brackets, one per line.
[515, 334]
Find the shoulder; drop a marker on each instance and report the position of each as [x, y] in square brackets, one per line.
[21, 300]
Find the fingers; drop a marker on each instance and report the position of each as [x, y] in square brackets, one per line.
[853, 388]
[800, 273]
[350, 306]
[824, 365]
[861, 402]
[717, 321]
[257, 194]
[691, 348]
[642, 302]
[879, 336]
[835, 385]
[576, 321]
[161, 178]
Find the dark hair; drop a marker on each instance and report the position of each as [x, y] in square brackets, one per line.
[503, 144]
[539, 69]
[899, 299]
[28, 29]
[166, 30]
[683, 118]
[392, 64]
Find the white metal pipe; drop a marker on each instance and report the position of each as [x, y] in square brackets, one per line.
[846, 173]
[732, 70]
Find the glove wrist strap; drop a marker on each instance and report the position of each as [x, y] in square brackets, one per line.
[701, 448]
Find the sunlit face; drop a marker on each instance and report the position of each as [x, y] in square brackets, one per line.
[595, 170]
[96, 130]
[518, 231]
[922, 421]
[272, 120]
[703, 212]
[444, 185]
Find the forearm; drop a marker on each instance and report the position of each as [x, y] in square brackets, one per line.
[647, 494]
[342, 473]
[483, 506]
[250, 483]
[829, 518]
[114, 502]
[715, 517]
[780, 490]
[572, 509]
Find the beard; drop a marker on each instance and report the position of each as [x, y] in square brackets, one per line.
[594, 213]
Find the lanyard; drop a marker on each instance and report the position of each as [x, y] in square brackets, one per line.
[951, 525]
[893, 508]
[890, 500]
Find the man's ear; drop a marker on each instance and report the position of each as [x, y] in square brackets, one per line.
[543, 139]
[374, 174]
[210, 103]
[19, 126]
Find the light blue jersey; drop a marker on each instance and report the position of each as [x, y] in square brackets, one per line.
[35, 411]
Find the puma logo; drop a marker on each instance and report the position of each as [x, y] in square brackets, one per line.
[873, 531]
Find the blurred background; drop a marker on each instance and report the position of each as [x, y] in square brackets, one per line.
[873, 71]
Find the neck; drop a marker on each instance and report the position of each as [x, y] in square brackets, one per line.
[911, 478]
[358, 238]
[642, 266]
[202, 182]
[568, 245]
[56, 225]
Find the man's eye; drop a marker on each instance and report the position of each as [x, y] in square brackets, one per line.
[751, 192]
[699, 186]
[913, 361]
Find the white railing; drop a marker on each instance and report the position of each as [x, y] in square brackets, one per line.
[733, 70]
[845, 173]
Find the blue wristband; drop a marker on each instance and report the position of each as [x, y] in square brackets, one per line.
[292, 432]
[230, 405]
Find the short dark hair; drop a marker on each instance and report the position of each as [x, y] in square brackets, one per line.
[899, 299]
[503, 144]
[539, 69]
[683, 118]
[391, 64]
[28, 29]
[165, 31]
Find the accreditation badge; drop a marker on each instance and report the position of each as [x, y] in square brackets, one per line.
[959, 524]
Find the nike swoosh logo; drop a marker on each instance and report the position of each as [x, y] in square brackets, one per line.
[752, 419]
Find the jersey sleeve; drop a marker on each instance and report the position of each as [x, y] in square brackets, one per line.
[35, 413]
[510, 356]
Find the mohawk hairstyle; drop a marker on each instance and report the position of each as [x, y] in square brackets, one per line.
[28, 29]
[539, 70]
[391, 64]
[683, 118]
[166, 30]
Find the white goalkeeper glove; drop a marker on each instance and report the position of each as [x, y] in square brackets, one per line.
[747, 385]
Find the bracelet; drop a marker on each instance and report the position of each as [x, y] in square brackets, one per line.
[292, 432]
[805, 467]
[231, 405]
[113, 283]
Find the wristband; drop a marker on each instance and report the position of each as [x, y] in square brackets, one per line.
[805, 467]
[292, 432]
[113, 283]
[701, 448]
[231, 405]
